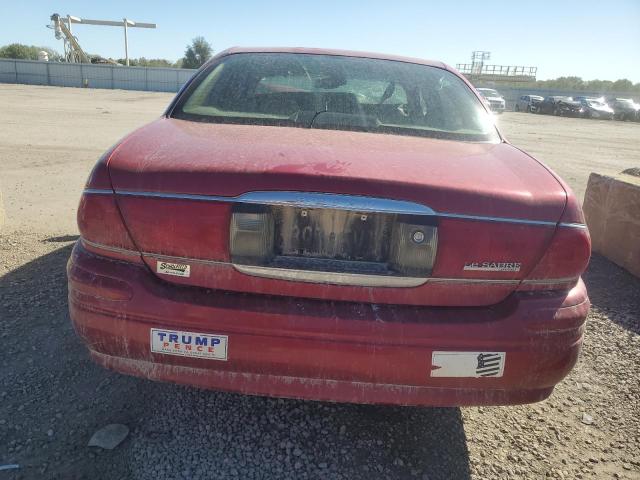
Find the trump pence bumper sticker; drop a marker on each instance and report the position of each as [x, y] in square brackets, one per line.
[189, 344]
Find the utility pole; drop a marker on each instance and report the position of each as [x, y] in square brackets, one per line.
[126, 42]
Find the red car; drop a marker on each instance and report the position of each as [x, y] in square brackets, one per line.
[336, 226]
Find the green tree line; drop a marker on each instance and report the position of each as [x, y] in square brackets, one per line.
[580, 85]
[27, 52]
[196, 54]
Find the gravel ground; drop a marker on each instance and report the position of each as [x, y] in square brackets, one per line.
[52, 398]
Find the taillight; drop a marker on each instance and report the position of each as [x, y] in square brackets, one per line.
[101, 227]
[565, 260]
[252, 236]
[413, 248]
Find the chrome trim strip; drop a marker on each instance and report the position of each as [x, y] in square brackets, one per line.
[302, 199]
[335, 201]
[473, 280]
[496, 219]
[123, 251]
[97, 191]
[356, 279]
[550, 281]
[179, 196]
[335, 278]
[288, 274]
[572, 225]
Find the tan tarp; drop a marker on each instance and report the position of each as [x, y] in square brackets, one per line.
[612, 210]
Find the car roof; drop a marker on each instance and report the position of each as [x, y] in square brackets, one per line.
[335, 52]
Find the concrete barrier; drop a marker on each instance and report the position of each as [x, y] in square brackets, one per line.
[612, 210]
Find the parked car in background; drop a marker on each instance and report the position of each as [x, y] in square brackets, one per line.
[595, 108]
[560, 105]
[625, 109]
[528, 103]
[331, 225]
[496, 101]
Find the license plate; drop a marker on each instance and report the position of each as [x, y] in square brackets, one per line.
[333, 234]
[189, 344]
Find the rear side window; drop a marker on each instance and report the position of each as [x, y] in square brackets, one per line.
[338, 93]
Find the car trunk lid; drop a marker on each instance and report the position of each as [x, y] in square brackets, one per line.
[178, 184]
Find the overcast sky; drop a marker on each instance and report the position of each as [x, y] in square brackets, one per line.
[588, 39]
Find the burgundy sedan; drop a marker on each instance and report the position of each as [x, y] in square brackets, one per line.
[336, 226]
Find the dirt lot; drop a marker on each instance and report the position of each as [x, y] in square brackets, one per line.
[52, 398]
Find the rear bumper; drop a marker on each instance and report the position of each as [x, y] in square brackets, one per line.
[313, 349]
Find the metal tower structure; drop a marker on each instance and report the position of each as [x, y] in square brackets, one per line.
[477, 61]
[478, 71]
[72, 50]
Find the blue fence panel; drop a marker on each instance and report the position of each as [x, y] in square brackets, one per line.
[131, 78]
[93, 76]
[32, 73]
[184, 75]
[8, 72]
[163, 80]
[97, 76]
[65, 74]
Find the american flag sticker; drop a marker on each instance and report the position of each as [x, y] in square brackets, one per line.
[467, 364]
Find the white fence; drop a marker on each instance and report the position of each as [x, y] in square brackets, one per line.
[93, 76]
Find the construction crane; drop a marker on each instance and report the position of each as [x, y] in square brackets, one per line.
[73, 52]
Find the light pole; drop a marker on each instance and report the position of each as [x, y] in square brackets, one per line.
[126, 43]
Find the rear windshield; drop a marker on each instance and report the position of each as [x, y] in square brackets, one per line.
[337, 93]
